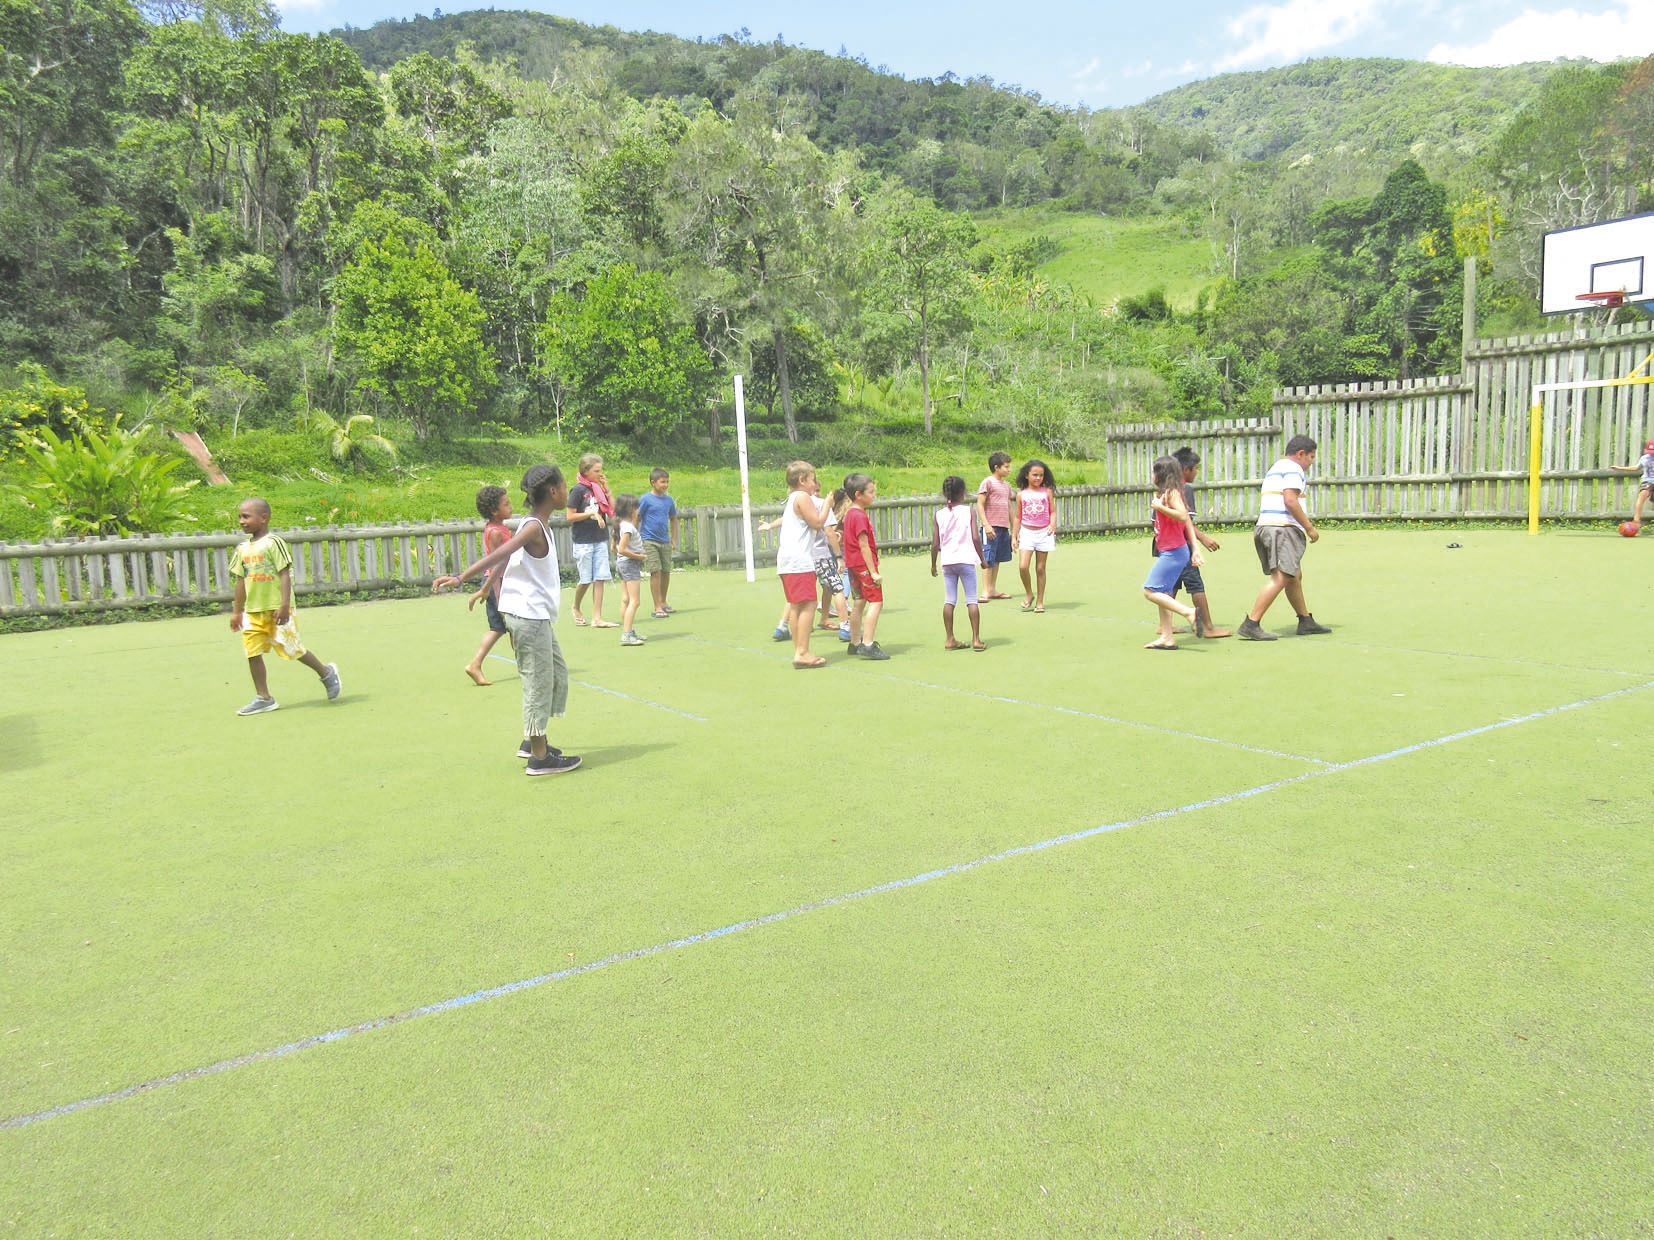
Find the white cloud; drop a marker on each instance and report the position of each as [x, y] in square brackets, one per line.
[302, 6]
[1091, 66]
[1624, 28]
[1142, 69]
[1281, 33]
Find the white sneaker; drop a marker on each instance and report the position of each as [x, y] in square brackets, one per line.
[330, 681]
[259, 706]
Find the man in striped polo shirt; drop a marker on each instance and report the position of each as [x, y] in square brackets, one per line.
[1284, 529]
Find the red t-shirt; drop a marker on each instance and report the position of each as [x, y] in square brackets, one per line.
[1169, 532]
[856, 524]
[494, 536]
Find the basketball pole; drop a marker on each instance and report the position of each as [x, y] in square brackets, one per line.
[1536, 423]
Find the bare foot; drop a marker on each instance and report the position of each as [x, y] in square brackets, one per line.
[477, 678]
[604, 624]
[1220, 632]
[1161, 645]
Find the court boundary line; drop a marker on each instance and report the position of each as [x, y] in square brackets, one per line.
[586, 684]
[1061, 710]
[1357, 644]
[769, 919]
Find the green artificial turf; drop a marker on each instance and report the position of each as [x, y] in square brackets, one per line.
[1399, 997]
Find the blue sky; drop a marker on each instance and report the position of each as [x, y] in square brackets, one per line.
[1104, 55]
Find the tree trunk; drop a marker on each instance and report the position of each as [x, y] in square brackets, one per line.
[784, 381]
[924, 370]
[712, 427]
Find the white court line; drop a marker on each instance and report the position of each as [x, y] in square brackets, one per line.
[1334, 640]
[586, 684]
[770, 919]
[1061, 710]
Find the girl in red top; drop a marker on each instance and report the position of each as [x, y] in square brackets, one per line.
[1174, 540]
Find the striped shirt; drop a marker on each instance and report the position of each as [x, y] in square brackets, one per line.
[1283, 476]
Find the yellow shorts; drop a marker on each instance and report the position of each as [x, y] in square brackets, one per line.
[260, 634]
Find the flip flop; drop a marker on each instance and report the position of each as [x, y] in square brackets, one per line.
[815, 662]
[1039, 609]
[579, 621]
[999, 596]
[979, 647]
[1028, 605]
[659, 615]
[955, 646]
[1160, 646]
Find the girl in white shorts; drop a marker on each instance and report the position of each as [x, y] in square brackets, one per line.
[1034, 529]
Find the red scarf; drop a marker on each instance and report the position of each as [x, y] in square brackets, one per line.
[600, 495]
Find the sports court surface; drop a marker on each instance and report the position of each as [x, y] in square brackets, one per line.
[1349, 935]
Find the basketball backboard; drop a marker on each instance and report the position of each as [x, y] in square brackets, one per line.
[1616, 256]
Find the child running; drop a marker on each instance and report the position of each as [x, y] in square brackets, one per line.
[861, 557]
[1034, 528]
[795, 558]
[528, 601]
[495, 508]
[263, 609]
[953, 542]
[993, 509]
[1174, 536]
[630, 555]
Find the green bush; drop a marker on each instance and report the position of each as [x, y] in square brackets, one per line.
[277, 454]
[38, 404]
[104, 483]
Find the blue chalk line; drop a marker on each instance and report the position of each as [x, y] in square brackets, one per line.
[642, 953]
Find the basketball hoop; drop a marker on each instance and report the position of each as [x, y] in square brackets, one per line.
[1611, 299]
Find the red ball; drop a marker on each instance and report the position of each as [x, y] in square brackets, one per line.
[1629, 529]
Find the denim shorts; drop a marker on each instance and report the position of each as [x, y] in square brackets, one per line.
[996, 546]
[496, 622]
[628, 569]
[591, 562]
[1168, 569]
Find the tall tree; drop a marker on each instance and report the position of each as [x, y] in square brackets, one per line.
[917, 276]
[415, 332]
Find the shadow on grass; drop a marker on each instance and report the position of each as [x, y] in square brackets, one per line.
[19, 743]
[611, 755]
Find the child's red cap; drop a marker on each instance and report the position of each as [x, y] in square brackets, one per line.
[1649, 446]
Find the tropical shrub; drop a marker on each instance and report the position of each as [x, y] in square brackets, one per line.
[103, 483]
[38, 404]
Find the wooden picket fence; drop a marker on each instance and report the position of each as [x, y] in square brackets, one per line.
[1446, 448]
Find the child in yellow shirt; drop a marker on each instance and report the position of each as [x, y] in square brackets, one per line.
[263, 609]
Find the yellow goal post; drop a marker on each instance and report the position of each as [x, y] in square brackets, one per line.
[1536, 423]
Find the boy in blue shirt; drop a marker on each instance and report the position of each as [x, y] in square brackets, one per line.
[657, 521]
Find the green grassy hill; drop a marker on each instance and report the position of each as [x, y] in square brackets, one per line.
[1391, 108]
[1109, 257]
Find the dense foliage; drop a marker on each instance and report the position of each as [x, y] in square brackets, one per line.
[512, 221]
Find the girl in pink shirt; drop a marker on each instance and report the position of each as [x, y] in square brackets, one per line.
[954, 542]
[1034, 528]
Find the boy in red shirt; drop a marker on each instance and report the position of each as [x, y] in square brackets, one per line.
[495, 508]
[861, 557]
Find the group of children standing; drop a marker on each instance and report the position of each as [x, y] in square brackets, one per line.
[827, 546]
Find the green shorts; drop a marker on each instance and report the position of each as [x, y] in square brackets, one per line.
[657, 557]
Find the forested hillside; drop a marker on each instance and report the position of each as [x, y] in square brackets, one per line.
[1387, 109]
[211, 224]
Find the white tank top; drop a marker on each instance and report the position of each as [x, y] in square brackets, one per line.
[795, 552]
[530, 587]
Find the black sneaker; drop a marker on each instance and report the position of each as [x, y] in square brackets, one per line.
[1307, 626]
[1252, 631]
[874, 652]
[526, 750]
[855, 648]
[551, 764]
